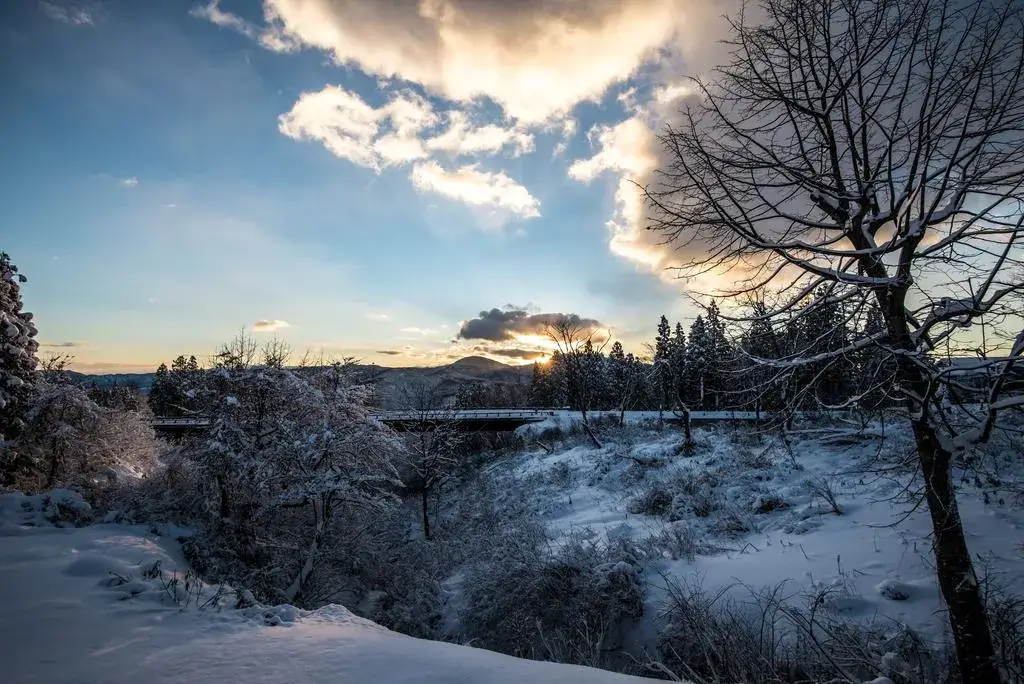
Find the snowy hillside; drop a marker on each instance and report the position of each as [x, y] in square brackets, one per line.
[744, 514]
[112, 603]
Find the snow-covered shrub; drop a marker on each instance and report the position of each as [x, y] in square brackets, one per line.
[825, 489]
[1006, 620]
[731, 524]
[763, 637]
[291, 459]
[677, 540]
[656, 500]
[571, 605]
[57, 508]
[71, 441]
[769, 501]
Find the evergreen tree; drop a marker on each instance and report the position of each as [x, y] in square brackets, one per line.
[18, 349]
[163, 394]
[698, 354]
[663, 363]
[718, 386]
[767, 384]
[677, 363]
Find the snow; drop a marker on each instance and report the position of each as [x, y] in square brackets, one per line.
[878, 549]
[111, 603]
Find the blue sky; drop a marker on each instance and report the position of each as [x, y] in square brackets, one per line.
[177, 171]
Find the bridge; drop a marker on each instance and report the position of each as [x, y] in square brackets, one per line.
[486, 420]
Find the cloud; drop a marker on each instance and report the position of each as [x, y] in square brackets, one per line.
[129, 182]
[499, 325]
[389, 352]
[535, 58]
[419, 331]
[213, 13]
[463, 138]
[269, 325]
[338, 119]
[74, 16]
[471, 185]
[403, 130]
[525, 354]
[630, 152]
[378, 316]
[62, 345]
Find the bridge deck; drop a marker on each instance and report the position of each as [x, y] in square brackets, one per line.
[489, 419]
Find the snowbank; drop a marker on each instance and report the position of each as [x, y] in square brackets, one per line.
[113, 603]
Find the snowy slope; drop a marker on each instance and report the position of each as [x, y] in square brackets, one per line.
[878, 549]
[91, 604]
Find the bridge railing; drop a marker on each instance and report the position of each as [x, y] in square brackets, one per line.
[467, 414]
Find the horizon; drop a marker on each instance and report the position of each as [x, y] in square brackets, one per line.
[172, 162]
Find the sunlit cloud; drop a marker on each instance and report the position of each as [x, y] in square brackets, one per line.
[629, 152]
[536, 59]
[499, 325]
[412, 330]
[472, 185]
[269, 325]
[463, 138]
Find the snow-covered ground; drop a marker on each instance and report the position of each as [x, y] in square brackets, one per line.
[742, 514]
[114, 603]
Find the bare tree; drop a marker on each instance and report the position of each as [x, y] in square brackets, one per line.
[432, 447]
[575, 341]
[859, 150]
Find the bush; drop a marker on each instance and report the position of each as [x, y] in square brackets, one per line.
[570, 606]
[711, 638]
[655, 501]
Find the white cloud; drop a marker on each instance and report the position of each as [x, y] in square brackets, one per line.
[630, 151]
[625, 147]
[213, 13]
[378, 316]
[73, 16]
[535, 58]
[340, 120]
[394, 134]
[129, 182]
[424, 332]
[471, 185]
[269, 325]
[569, 126]
[463, 138]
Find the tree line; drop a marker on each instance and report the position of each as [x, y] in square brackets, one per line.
[716, 366]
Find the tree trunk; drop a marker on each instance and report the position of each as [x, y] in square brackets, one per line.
[959, 584]
[321, 513]
[225, 498]
[426, 515]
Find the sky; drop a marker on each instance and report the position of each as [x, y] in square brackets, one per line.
[408, 182]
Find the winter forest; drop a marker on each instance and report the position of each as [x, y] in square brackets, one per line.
[818, 477]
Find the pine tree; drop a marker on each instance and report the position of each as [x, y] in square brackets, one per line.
[162, 394]
[662, 363]
[698, 355]
[718, 360]
[767, 385]
[18, 349]
[677, 363]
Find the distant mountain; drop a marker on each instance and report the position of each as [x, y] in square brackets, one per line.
[141, 380]
[479, 364]
[390, 382]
